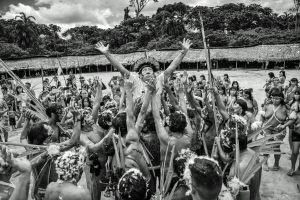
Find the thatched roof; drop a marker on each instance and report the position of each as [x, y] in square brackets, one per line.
[262, 53]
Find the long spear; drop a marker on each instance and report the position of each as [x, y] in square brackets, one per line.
[208, 63]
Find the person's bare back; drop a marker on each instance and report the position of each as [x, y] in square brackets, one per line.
[66, 191]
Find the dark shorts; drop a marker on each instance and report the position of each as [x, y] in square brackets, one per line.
[295, 136]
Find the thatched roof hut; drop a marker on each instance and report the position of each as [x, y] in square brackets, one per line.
[261, 53]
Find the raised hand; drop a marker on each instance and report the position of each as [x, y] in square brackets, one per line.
[186, 44]
[21, 164]
[185, 77]
[151, 84]
[189, 87]
[103, 49]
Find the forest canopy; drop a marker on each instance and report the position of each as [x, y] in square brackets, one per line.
[229, 25]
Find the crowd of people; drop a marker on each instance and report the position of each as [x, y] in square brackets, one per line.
[156, 135]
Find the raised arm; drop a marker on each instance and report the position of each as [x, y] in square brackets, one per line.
[173, 100]
[23, 166]
[132, 134]
[160, 129]
[176, 62]
[75, 138]
[98, 100]
[151, 87]
[183, 107]
[220, 105]
[24, 133]
[105, 50]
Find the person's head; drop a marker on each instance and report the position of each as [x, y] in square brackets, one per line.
[38, 133]
[240, 93]
[243, 140]
[233, 91]
[55, 78]
[28, 85]
[236, 85]
[84, 94]
[277, 97]
[248, 94]
[282, 73]
[297, 95]
[149, 124]
[222, 90]
[240, 107]
[54, 112]
[112, 106]
[202, 77]
[275, 81]
[52, 96]
[86, 103]
[178, 122]
[4, 89]
[271, 75]
[146, 71]
[226, 77]
[204, 176]
[19, 89]
[69, 166]
[133, 186]
[294, 82]
[119, 123]
[105, 119]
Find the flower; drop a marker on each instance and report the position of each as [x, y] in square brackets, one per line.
[235, 185]
[53, 150]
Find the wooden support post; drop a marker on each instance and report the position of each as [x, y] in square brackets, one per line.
[217, 64]
[236, 64]
[197, 67]
[283, 64]
[164, 66]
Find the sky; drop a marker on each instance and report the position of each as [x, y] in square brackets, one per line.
[104, 13]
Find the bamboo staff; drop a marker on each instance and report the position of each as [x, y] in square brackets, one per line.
[237, 152]
[24, 145]
[38, 104]
[208, 63]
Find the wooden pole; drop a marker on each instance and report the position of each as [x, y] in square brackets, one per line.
[197, 66]
[236, 64]
[208, 63]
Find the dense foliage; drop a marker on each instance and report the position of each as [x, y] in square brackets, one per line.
[227, 25]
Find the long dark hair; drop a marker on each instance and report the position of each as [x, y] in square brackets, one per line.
[89, 101]
[271, 75]
[238, 86]
[243, 105]
[283, 73]
[236, 91]
[17, 92]
[249, 92]
[275, 92]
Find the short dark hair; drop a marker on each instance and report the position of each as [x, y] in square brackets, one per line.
[177, 122]
[119, 123]
[271, 74]
[243, 141]
[37, 134]
[104, 119]
[206, 178]
[243, 104]
[133, 186]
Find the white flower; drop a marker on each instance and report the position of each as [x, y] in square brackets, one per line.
[237, 118]
[235, 185]
[256, 125]
[53, 150]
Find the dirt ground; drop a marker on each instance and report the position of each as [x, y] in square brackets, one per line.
[275, 185]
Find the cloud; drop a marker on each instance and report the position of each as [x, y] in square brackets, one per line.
[108, 13]
[70, 13]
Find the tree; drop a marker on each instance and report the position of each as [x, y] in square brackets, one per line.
[25, 31]
[139, 5]
[297, 8]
